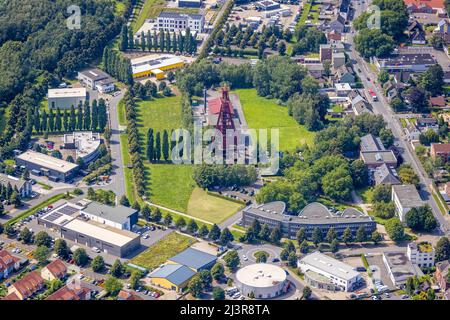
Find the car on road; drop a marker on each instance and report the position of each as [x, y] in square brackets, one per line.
[244, 257]
[275, 260]
[368, 79]
[146, 236]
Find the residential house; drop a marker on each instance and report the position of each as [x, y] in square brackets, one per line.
[438, 102]
[338, 24]
[127, 295]
[416, 33]
[27, 286]
[360, 105]
[405, 197]
[334, 37]
[23, 186]
[421, 254]
[316, 70]
[344, 74]
[412, 132]
[326, 51]
[442, 274]
[342, 89]
[71, 293]
[443, 30]
[8, 263]
[337, 59]
[440, 150]
[54, 270]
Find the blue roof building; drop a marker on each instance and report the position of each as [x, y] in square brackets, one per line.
[195, 259]
[172, 276]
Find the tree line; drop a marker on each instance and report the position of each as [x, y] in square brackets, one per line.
[162, 41]
[209, 176]
[81, 119]
[117, 65]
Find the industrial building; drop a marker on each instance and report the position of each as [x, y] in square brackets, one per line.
[96, 79]
[119, 217]
[314, 215]
[155, 66]
[263, 280]
[86, 144]
[66, 98]
[68, 220]
[174, 22]
[189, 3]
[43, 165]
[23, 186]
[172, 277]
[267, 5]
[324, 272]
[399, 267]
[194, 259]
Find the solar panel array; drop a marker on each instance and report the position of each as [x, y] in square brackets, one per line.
[53, 216]
[68, 210]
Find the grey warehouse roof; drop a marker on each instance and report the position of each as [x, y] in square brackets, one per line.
[117, 214]
[329, 265]
[407, 195]
[193, 258]
[370, 143]
[175, 273]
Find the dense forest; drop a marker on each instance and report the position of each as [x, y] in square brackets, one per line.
[37, 49]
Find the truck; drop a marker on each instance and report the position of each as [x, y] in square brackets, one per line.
[372, 95]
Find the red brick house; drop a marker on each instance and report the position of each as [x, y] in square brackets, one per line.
[27, 286]
[440, 150]
[66, 293]
[54, 270]
[8, 263]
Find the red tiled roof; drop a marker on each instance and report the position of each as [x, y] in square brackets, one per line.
[438, 101]
[214, 106]
[333, 35]
[11, 296]
[7, 260]
[125, 295]
[430, 3]
[57, 268]
[29, 284]
[441, 147]
[66, 293]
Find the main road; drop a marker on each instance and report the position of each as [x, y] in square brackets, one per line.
[382, 107]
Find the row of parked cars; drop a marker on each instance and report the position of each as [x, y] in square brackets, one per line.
[234, 293]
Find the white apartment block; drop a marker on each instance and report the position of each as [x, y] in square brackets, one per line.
[405, 197]
[421, 254]
[174, 22]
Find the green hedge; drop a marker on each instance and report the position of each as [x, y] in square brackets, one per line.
[226, 198]
[36, 208]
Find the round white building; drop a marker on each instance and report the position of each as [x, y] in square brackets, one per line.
[264, 280]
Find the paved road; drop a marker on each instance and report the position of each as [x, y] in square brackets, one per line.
[118, 180]
[382, 107]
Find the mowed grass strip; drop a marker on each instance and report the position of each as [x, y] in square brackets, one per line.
[128, 174]
[262, 113]
[171, 185]
[164, 249]
[214, 209]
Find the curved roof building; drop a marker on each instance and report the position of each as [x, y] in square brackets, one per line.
[264, 280]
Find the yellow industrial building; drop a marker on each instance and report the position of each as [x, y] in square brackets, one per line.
[155, 66]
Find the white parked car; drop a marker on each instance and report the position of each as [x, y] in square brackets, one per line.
[244, 257]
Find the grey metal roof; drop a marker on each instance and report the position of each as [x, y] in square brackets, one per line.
[95, 74]
[193, 258]
[408, 195]
[117, 214]
[400, 266]
[378, 157]
[371, 143]
[175, 273]
[386, 175]
[15, 182]
[313, 214]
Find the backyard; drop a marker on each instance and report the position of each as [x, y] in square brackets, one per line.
[164, 249]
[262, 113]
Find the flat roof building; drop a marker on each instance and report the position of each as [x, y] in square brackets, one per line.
[267, 5]
[43, 165]
[119, 217]
[189, 3]
[96, 79]
[86, 144]
[195, 259]
[151, 65]
[399, 267]
[412, 62]
[328, 273]
[66, 98]
[421, 254]
[374, 159]
[263, 280]
[174, 21]
[314, 215]
[405, 197]
[68, 220]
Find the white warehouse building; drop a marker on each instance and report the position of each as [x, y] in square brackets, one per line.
[263, 280]
[119, 217]
[324, 272]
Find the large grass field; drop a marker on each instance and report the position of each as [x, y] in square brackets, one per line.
[210, 208]
[171, 185]
[166, 248]
[262, 113]
[159, 114]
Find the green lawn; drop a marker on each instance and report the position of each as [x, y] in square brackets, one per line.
[121, 113]
[166, 248]
[159, 114]
[304, 15]
[262, 113]
[171, 185]
[128, 174]
[210, 208]
[366, 194]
